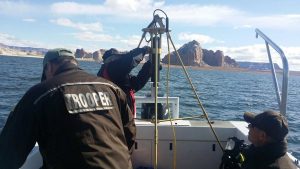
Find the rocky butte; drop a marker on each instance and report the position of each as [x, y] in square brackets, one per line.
[192, 54]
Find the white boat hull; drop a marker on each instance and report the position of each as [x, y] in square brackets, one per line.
[196, 146]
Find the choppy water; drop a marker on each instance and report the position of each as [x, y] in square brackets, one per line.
[225, 95]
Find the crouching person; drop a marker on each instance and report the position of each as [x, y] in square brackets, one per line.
[267, 133]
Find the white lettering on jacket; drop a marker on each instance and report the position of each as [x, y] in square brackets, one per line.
[84, 102]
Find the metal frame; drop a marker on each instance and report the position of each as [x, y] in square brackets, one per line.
[281, 96]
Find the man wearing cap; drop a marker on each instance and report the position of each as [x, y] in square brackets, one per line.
[117, 67]
[267, 133]
[80, 121]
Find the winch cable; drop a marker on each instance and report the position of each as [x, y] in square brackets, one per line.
[194, 90]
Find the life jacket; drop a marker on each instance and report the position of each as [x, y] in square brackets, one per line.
[132, 106]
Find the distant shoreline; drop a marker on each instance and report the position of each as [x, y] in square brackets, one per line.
[230, 69]
[41, 56]
[25, 56]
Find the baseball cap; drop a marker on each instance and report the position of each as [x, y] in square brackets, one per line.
[273, 123]
[109, 53]
[58, 53]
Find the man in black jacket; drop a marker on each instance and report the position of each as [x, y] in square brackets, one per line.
[117, 67]
[80, 121]
[267, 133]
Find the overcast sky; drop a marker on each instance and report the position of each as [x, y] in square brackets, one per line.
[226, 25]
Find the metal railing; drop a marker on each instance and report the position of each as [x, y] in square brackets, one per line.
[281, 96]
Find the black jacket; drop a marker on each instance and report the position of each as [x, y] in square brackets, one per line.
[80, 121]
[271, 156]
[117, 68]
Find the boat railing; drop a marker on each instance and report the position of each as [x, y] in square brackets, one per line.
[281, 96]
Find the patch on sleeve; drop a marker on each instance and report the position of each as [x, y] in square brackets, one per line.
[86, 98]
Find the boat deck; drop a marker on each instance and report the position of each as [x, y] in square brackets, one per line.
[195, 143]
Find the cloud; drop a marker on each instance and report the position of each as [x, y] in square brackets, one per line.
[293, 56]
[20, 8]
[129, 5]
[29, 20]
[122, 43]
[202, 39]
[95, 37]
[97, 26]
[192, 14]
[143, 9]
[138, 9]
[73, 8]
[202, 15]
[130, 42]
[258, 53]
[119, 8]
[8, 7]
[243, 26]
[13, 41]
[281, 22]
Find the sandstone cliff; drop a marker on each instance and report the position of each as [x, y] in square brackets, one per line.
[81, 53]
[97, 55]
[193, 55]
[213, 58]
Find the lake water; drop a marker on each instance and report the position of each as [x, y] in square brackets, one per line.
[226, 95]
